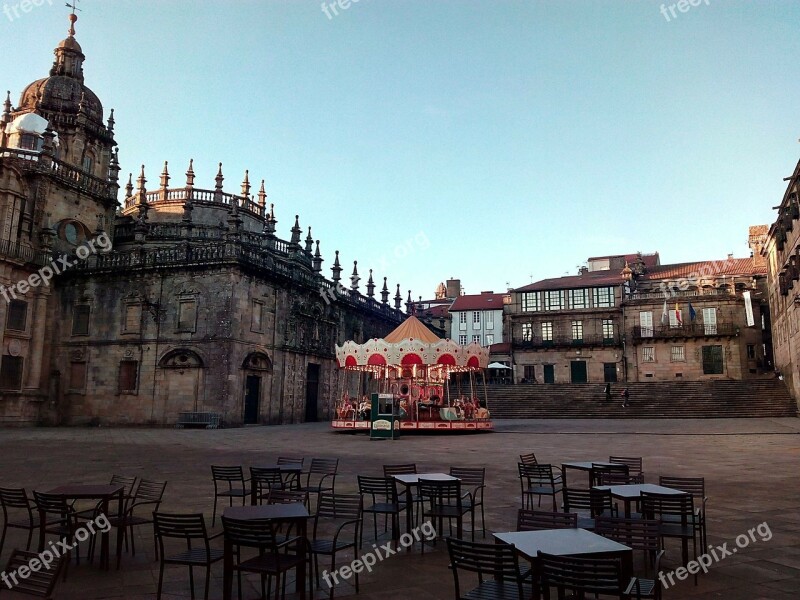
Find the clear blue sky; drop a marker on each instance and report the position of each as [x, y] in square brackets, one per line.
[518, 138]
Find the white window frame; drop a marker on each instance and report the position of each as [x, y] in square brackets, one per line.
[605, 300]
[527, 332]
[547, 331]
[710, 321]
[577, 327]
[488, 320]
[579, 298]
[677, 354]
[476, 319]
[462, 340]
[646, 323]
[531, 302]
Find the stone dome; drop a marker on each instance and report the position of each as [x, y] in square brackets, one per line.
[61, 93]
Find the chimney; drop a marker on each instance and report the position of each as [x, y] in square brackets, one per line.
[757, 239]
[453, 288]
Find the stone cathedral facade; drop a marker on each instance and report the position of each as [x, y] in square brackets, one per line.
[130, 304]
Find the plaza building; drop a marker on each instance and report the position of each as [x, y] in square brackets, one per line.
[178, 299]
[630, 318]
[781, 251]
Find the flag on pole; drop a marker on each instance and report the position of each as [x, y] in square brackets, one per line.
[692, 312]
[678, 315]
[665, 315]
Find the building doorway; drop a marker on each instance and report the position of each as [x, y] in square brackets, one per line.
[577, 370]
[610, 372]
[549, 373]
[312, 392]
[252, 394]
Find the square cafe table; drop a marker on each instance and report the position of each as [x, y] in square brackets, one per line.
[582, 465]
[568, 542]
[411, 480]
[103, 493]
[294, 514]
[632, 492]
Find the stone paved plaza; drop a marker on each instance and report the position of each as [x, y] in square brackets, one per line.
[750, 466]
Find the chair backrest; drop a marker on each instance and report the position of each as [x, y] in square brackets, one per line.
[52, 504]
[220, 473]
[339, 506]
[266, 478]
[639, 534]
[696, 486]
[250, 533]
[487, 560]
[440, 493]
[616, 474]
[14, 498]
[384, 488]
[324, 466]
[538, 474]
[656, 506]
[593, 500]
[536, 520]
[179, 526]
[287, 497]
[528, 459]
[150, 491]
[581, 575]
[39, 584]
[404, 469]
[127, 483]
[471, 477]
[291, 460]
[634, 463]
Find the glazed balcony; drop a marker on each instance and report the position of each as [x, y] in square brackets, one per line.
[560, 342]
[688, 330]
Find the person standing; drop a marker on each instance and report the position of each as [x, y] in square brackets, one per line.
[625, 397]
[608, 392]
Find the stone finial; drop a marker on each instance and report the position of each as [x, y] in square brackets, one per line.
[219, 179]
[190, 174]
[5, 118]
[246, 184]
[295, 240]
[317, 262]
[409, 304]
[398, 299]
[354, 278]
[370, 286]
[262, 196]
[111, 121]
[337, 269]
[140, 181]
[129, 186]
[165, 177]
[309, 241]
[113, 167]
[385, 292]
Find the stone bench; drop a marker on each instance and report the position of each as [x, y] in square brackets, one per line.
[209, 420]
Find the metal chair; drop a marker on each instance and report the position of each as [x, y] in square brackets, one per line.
[638, 534]
[581, 576]
[189, 528]
[407, 469]
[263, 481]
[444, 500]
[382, 492]
[696, 486]
[496, 566]
[13, 500]
[588, 504]
[148, 493]
[60, 520]
[537, 480]
[233, 478]
[291, 480]
[676, 516]
[634, 466]
[344, 511]
[536, 520]
[473, 482]
[321, 476]
[39, 584]
[528, 459]
[616, 474]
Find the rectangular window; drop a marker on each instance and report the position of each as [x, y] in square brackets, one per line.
[710, 321]
[489, 339]
[677, 354]
[462, 321]
[646, 323]
[80, 319]
[128, 375]
[579, 298]
[554, 300]
[604, 297]
[476, 319]
[648, 354]
[531, 302]
[17, 315]
[256, 321]
[187, 315]
[529, 373]
[488, 320]
[547, 331]
[133, 318]
[11, 372]
[577, 331]
[476, 339]
[462, 340]
[675, 318]
[77, 376]
[527, 332]
[712, 360]
[608, 329]
[751, 351]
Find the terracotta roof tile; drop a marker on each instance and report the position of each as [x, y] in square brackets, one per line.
[478, 302]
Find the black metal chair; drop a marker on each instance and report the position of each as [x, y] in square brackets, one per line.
[12, 501]
[407, 469]
[635, 472]
[444, 500]
[538, 480]
[676, 516]
[536, 520]
[342, 511]
[60, 520]
[496, 566]
[39, 584]
[638, 534]
[615, 474]
[148, 493]
[382, 493]
[189, 528]
[291, 480]
[696, 486]
[528, 459]
[269, 561]
[473, 482]
[588, 504]
[263, 480]
[581, 576]
[233, 484]
[321, 476]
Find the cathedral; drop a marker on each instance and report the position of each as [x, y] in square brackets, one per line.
[174, 299]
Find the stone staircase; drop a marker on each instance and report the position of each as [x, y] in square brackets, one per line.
[691, 399]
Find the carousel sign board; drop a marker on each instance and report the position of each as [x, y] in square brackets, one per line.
[383, 413]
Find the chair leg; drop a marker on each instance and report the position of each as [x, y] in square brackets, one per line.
[483, 521]
[208, 581]
[191, 580]
[160, 580]
[3, 538]
[214, 514]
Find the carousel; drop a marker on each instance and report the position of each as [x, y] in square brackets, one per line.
[436, 384]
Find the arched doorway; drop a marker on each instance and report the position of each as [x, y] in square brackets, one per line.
[257, 366]
[181, 374]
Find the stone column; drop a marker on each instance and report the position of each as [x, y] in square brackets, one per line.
[36, 348]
